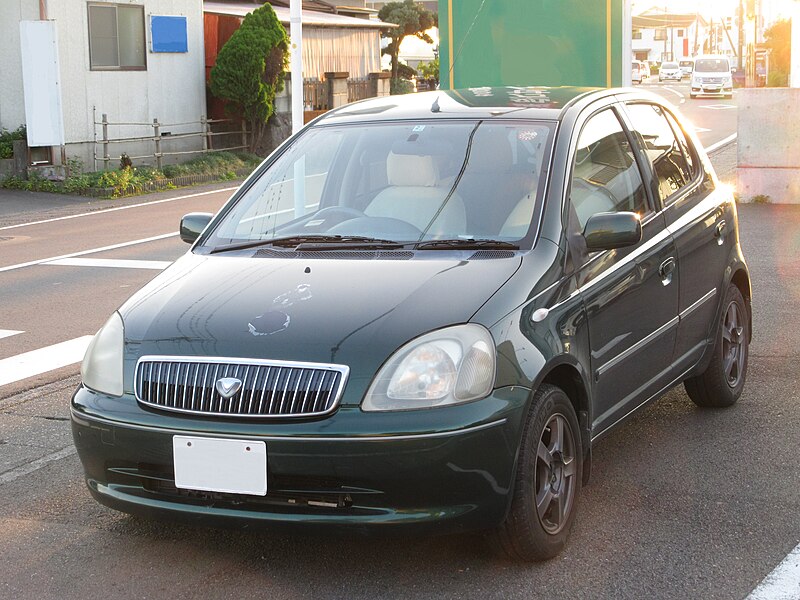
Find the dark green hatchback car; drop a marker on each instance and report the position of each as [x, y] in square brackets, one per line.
[422, 311]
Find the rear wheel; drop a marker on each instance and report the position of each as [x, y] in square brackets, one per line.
[548, 480]
[722, 382]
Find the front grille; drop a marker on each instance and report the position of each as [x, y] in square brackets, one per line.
[713, 80]
[268, 388]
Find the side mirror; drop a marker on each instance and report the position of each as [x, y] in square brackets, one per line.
[192, 226]
[608, 230]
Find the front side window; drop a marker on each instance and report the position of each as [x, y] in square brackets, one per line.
[605, 175]
[662, 149]
[116, 37]
[405, 183]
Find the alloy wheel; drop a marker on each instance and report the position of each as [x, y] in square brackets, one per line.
[555, 474]
[734, 348]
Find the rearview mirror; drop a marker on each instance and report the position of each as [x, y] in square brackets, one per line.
[192, 226]
[608, 230]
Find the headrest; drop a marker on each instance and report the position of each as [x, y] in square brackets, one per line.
[411, 170]
[491, 152]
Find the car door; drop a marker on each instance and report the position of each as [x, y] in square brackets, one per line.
[630, 294]
[700, 222]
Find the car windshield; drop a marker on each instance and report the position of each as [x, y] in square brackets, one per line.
[712, 65]
[686, 63]
[669, 65]
[470, 183]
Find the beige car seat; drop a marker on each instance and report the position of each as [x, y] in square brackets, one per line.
[415, 195]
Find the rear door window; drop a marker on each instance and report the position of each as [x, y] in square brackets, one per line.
[662, 149]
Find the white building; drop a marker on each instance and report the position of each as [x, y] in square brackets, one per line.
[64, 63]
[658, 35]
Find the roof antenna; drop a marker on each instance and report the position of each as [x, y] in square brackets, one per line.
[435, 106]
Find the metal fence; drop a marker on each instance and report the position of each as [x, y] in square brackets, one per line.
[205, 132]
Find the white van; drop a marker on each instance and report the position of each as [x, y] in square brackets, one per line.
[711, 76]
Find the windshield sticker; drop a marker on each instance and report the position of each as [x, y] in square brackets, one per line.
[419, 129]
[527, 135]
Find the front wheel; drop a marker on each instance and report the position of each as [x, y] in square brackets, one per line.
[548, 480]
[722, 382]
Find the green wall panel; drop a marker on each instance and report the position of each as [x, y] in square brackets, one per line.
[530, 42]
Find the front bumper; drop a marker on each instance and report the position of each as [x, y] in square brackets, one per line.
[711, 90]
[441, 470]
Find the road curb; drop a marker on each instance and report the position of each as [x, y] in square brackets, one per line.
[721, 145]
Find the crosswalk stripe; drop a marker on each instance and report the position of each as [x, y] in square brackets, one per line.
[158, 265]
[4, 333]
[49, 358]
[784, 581]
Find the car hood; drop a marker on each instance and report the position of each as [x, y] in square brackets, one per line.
[340, 311]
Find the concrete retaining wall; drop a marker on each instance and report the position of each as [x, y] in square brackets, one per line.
[768, 162]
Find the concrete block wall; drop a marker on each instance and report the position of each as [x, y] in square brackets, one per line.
[768, 161]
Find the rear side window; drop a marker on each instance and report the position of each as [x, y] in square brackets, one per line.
[663, 150]
[605, 175]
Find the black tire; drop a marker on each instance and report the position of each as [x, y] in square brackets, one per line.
[722, 382]
[530, 533]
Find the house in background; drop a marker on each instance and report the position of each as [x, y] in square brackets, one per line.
[65, 63]
[658, 35]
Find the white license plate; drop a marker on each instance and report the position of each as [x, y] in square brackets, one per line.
[220, 465]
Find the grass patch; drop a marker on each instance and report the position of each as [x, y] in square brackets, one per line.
[760, 199]
[136, 180]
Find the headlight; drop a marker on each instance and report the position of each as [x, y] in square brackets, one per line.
[102, 365]
[444, 367]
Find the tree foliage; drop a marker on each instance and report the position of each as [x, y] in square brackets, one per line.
[250, 67]
[778, 39]
[412, 18]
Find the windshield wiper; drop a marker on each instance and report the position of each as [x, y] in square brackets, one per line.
[313, 242]
[467, 244]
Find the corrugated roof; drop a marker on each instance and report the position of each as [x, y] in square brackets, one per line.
[310, 17]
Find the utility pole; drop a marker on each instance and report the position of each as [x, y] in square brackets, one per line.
[296, 63]
[740, 35]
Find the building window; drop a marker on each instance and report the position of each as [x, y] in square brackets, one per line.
[637, 34]
[680, 33]
[661, 34]
[116, 37]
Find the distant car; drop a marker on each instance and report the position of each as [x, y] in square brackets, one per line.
[640, 72]
[423, 311]
[712, 77]
[670, 71]
[687, 66]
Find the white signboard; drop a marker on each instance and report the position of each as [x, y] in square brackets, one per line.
[41, 82]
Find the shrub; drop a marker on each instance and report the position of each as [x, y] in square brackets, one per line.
[401, 86]
[7, 139]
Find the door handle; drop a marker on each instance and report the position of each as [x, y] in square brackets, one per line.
[720, 228]
[666, 269]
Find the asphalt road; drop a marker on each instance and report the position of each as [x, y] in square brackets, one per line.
[714, 118]
[684, 503]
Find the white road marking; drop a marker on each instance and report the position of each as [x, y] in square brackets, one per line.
[700, 129]
[36, 362]
[84, 252]
[157, 265]
[107, 210]
[4, 333]
[35, 465]
[718, 106]
[720, 143]
[676, 92]
[784, 581]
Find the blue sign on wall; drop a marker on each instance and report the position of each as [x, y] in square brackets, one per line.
[168, 34]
